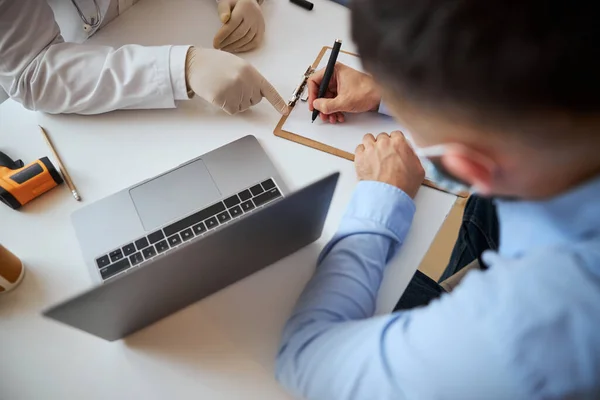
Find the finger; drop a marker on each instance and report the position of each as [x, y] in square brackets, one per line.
[368, 139]
[324, 117]
[229, 108]
[244, 106]
[332, 119]
[359, 149]
[401, 143]
[236, 47]
[330, 106]
[226, 30]
[238, 33]
[382, 136]
[250, 46]
[269, 92]
[312, 95]
[223, 33]
[224, 10]
[398, 135]
[340, 117]
[313, 86]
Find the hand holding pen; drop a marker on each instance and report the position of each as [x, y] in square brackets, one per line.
[349, 91]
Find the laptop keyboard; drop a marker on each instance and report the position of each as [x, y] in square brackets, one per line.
[143, 249]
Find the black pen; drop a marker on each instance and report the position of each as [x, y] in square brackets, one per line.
[328, 74]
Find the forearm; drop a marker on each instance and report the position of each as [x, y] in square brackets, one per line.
[350, 270]
[83, 79]
[353, 262]
[345, 284]
[43, 73]
[333, 348]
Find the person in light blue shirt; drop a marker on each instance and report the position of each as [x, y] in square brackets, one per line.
[502, 97]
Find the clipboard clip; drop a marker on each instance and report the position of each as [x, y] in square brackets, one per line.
[300, 88]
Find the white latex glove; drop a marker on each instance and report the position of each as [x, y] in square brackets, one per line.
[243, 26]
[228, 81]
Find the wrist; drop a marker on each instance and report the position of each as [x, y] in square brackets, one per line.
[376, 105]
[189, 60]
[375, 97]
[405, 182]
[372, 93]
[381, 203]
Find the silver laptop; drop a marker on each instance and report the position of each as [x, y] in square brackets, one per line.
[171, 240]
[131, 227]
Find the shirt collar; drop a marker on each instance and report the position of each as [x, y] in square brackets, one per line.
[570, 217]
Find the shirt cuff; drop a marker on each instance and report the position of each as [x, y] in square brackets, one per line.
[383, 109]
[384, 205]
[177, 71]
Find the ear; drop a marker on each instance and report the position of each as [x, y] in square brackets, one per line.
[470, 166]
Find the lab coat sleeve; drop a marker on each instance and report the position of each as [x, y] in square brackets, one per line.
[41, 71]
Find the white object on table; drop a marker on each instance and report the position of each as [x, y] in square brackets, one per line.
[224, 346]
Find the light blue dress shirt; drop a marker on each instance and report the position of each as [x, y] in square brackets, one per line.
[526, 328]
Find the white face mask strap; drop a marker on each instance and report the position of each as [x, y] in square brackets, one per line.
[437, 151]
[431, 151]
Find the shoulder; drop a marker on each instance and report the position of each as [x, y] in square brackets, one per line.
[543, 309]
[572, 270]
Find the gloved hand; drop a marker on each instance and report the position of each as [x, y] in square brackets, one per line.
[228, 81]
[243, 26]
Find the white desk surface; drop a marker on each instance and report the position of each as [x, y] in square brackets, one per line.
[224, 346]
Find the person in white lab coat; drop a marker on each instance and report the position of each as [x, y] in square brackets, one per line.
[45, 73]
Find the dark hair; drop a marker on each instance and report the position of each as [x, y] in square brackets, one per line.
[492, 57]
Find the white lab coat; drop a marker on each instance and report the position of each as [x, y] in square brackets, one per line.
[43, 72]
[70, 23]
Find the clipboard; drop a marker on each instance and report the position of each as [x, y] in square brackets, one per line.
[295, 137]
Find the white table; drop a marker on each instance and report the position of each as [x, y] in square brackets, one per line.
[224, 346]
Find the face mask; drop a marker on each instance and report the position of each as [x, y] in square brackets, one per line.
[434, 170]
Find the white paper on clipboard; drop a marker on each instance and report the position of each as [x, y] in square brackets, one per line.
[345, 136]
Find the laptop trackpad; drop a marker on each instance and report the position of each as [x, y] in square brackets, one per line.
[174, 195]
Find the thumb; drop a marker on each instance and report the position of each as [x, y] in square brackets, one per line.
[224, 9]
[269, 93]
[329, 106]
